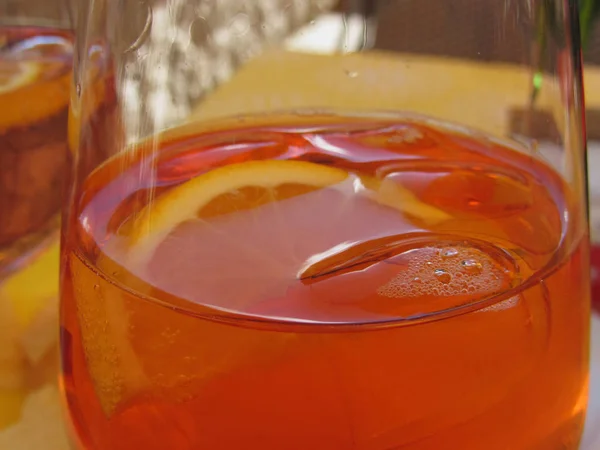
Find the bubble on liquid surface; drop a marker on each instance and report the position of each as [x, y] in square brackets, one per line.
[443, 276]
[449, 252]
[471, 266]
[473, 271]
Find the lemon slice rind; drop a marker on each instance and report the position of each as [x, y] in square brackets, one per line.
[25, 73]
[394, 195]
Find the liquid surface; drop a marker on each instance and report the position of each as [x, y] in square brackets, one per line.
[292, 258]
[278, 293]
[35, 69]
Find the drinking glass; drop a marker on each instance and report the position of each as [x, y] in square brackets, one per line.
[35, 70]
[326, 225]
[36, 45]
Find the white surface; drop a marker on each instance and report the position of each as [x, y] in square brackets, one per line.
[591, 439]
[330, 33]
[594, 186]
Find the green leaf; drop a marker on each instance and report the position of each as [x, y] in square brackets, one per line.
[589, 10]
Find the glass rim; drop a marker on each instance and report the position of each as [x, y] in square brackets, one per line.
[29, 21]
[564, 248]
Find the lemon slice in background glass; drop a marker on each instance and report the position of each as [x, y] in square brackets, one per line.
[14, 74]
[23, 299]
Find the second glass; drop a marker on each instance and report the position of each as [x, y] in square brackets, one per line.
[36, 49]
[299, 225]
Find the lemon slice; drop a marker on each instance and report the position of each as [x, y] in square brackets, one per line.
[158, 219]
[16, 74]
[30, 291]
[183, 203]
[28, 97]
[11, 403]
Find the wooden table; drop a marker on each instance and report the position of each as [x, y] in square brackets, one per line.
[481, 95]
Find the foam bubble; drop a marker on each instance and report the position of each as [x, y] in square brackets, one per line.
[471, 265]
[431, 272]
[449, 252]
[442, 276]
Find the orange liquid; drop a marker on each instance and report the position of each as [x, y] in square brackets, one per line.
[33, 137]
[467, 333]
